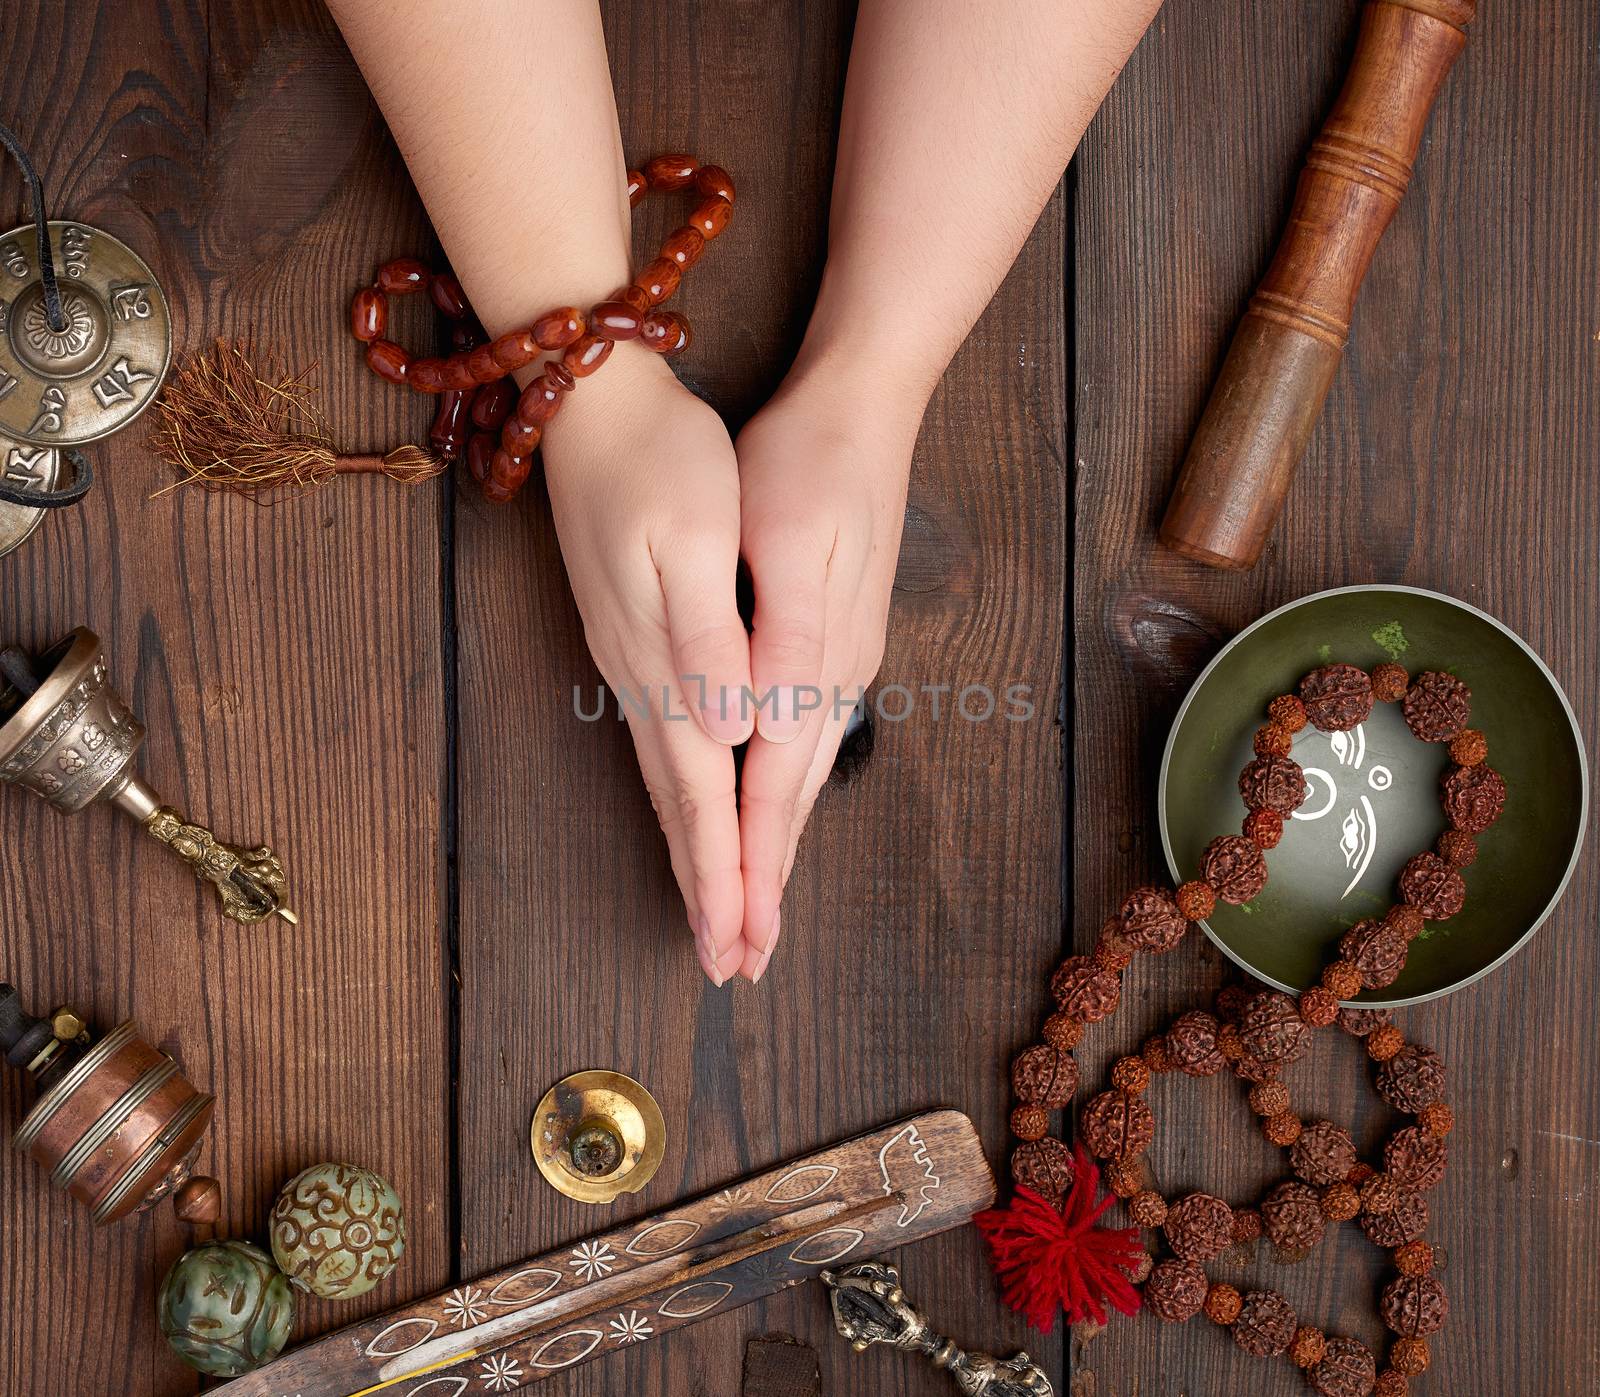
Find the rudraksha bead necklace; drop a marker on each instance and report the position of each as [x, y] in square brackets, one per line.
[1260, 1034]
[480, 411]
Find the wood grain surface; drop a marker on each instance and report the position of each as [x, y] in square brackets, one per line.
[380, 682]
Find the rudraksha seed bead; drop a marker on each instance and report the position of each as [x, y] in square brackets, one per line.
[1246, 1225]
[403, 276]
[1337, 697]
[1323, 1154]
[1273, 740]
[386, 359]
[1263, 828]
[1112, 951]
[1130, 1074]
[1250, 1068]
[1384, 1042]
[1377, 951]
[1265, 1324]
[1155, 1054]
[1414, 1306]
[1389, 682]
[1082, 989]
[1287, 711]
[1405, 919]
[1346, 1369]
[1415, 1158]
[1175, 1291]
[1269, 1098]
[1043, 1165]
[1437, 1119]
[1380, 1194]
[1360, 1174]
[1063, 1032]
[1029, 1122]
[1414, 1258]
[1044, 1076]
[1230, 1002]
[1124, 1177]
[1139, 1271]
[1340, 1202]
[1412, 1078]
[1469, 747]
[1342, 979]
[1319, 1007]
[1272, 1029]
[1306, 1347]
[557, 329]
[1223, 1303]
[1281, 1130]
[1409, 1357]
[1229, 1044]
[1196, 901]
[1199, 1227]
[1457, 848]
[369, 314]
[1148, 1208]
[1273, 783]
[1117, 1123]
[1234, 867]
[1151, 920]
[1437, 706]
[1291, 1216]
[1390, 1384]
[1192, 1044]
[1407, 1220]
[1473, 797]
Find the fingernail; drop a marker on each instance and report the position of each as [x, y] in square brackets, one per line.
[706, 948]
[791, 706]
[766, 955]
[724, 727]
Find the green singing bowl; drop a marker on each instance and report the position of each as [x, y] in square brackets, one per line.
[1373, 793]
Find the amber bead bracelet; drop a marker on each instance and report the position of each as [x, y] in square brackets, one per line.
[1260, 1034]
[480, 411]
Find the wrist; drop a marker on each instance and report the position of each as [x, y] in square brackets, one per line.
[608, 409]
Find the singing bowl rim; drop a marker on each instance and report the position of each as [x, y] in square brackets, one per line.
[1377, 999]
[75, 653]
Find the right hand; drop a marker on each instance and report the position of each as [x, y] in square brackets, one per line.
[644, 488]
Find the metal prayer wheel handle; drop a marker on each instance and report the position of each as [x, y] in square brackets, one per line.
[869, 1308]
[1286, 352]
[72, 739]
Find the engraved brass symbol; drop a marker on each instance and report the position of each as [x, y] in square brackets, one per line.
[28, 467]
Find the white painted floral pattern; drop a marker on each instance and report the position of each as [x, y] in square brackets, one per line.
[631, 1328]
[464, 1307]
[502, 1373]
[591, 1260]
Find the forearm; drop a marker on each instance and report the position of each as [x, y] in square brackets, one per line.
[958, 122]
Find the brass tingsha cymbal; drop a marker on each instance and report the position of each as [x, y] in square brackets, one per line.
[104, 366]
[28, 467]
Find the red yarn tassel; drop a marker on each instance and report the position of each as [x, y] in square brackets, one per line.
[1049, 1260]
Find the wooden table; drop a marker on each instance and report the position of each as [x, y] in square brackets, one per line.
[380, 680]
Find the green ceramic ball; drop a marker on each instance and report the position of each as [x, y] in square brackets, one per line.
[226, 1308]
[337, 1230]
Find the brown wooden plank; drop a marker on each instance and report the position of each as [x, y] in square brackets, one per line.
[1457, 453]
[287, 662]
[924, 906]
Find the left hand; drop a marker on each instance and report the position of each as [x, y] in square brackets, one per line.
[822, 500]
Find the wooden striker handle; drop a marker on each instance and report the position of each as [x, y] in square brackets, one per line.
[1287, 349]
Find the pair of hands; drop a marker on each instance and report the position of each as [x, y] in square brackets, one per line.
[654, 506]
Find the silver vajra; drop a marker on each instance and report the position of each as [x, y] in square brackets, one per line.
[870, 1308]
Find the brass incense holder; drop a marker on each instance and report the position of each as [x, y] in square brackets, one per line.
[598, 1135]
[116, 1124]
[70, 738]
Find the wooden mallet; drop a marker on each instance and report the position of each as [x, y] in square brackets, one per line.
[1287, 349]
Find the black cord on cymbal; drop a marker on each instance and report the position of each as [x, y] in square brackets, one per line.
[70, 493]
[41, 222]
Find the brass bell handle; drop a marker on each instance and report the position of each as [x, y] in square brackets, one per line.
[250, 882]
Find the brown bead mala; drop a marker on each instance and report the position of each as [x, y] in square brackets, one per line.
[1260, 1035]
[480, 412]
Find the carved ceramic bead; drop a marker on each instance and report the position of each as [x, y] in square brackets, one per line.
[558, 328]
[386, 359]
[1272, 1029]
[1151, 920]
[670, 171]
[337, 1230]
[714, 180]
[403, 276]
[1195, 900]
[1323, 1154]
[1430, 885]
[1469, 747]
[1062, 1031]
[711, 216]
[1306, 1347]
[1457, 848]
[684, 247]
[1234, 867]
[1319, 1007]
[585, 354]
[1084, 990]
[1347, 1369]
[1377, 950]
[1263, 828]
[1265, 1324]
[1175, 1291]
[1415, 1158]
[1029, 1122]
[1437, 706]
[369, 314]
[615, 320]
[1337, 697]
[1438, 1119]
[226, 1308]
[1192, 1044]
[1390, 682]
[1199, 1227]
[1223, 1304]
[1291, 1216]
[515, 350]
[1414, 1306]
[1473, 797]
[659, 280]
[1044, 1076]
[1045, 1166]
[1412, 1078]
[1273, 783]
[1287, 711]
[1117, 1123]
[1409, 1357]
[1404, 1222]
[1148, 1208]
[1273, 740]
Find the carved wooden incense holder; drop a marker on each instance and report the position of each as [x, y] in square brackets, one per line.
[69, 737]
[1287, 349]
[894, 1185]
